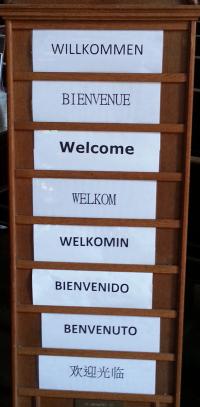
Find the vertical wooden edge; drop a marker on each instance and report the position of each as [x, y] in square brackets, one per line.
[185, 212]
[12, 238]
[37, 401]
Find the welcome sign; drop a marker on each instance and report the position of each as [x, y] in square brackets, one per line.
[97, 50]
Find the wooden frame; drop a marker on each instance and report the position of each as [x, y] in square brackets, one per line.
[177, 85]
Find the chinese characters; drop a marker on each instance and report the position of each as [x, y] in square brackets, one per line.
[97, 372]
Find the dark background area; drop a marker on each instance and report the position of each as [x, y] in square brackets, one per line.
[5, 373]
[191, 351]
[191, 354]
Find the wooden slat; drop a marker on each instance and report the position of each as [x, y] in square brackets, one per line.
[162, 128]
[162, 313]
[122, 25]
[167, 357]
[32, 392]
[126, 11]
[159, 176]
[28, 264]
[100, 77]
[158, 223]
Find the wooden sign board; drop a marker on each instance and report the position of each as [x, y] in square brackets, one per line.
[100, 107]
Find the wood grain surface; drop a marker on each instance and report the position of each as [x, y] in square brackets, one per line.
[178, 23]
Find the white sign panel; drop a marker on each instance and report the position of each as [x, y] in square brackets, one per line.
[91, 244]
[96, 102]
[92, 288]
[94, 198]
[97, 375]
[97, 51]
[98, 151]
[101, 332]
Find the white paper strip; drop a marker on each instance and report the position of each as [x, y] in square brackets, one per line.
[95, 374]
[101, 332]
[100, 102]
[98, 151]
[94, 198]
[128, 245]
[92, 288]
[97, 51]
